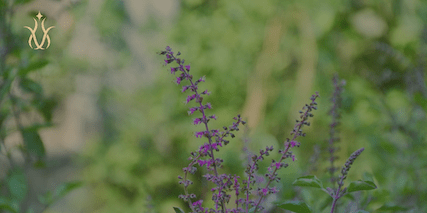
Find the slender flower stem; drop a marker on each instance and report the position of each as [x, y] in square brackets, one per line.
[297, 132]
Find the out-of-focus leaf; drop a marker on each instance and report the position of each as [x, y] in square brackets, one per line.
[32, 67]
[60, 192]
[46, 199]
[66, 188]
[420, 100]
[37, 126]
[361, 185]
[46, 107]
[5, 88]
[178, 210]
[3, 115]
[308, 181]
[17, 184]
[31, 86]
[295, 206]
[7, 204]
[33, 142]
[22, 1]
[391, 207]
[39, 164]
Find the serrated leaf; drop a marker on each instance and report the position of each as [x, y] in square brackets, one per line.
[33, 142]
[361, 185]
[178, 210]
[66, 188]
[32, 67]
[295, 206]
[392, 207]
[308, 181]
[17, 184]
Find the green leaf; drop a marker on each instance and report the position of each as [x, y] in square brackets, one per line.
[22, 1]
[46, 107]
[7, 204]
[326, 202]
[46, 199]
[33, 142]
[368, 177]
[308, 181]
[31, 86]
[178, 210]
[32, 67]
[295, 206]
[17, 184]
[391, 207]
[6, 86]
[66, 188]
[361, 185]
[362, 211]
[39, 164]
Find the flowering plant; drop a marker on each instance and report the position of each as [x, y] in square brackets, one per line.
[225, 184]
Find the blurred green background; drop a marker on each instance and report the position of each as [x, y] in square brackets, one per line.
[124, 123]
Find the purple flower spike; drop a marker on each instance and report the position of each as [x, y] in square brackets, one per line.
[204, 156]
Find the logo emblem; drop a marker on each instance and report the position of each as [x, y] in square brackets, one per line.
[33, 34]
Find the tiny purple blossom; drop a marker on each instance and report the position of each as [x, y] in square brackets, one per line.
[187, 67]
[208, 105]
[190, 97]
[184, 88]
[200, 134]
[293, 143]
[178, 80]
[197, 121]
[206, 92]
[192, 110]
[198, 203]
[264, 191]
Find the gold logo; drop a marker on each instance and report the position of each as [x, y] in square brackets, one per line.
[33, 34]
